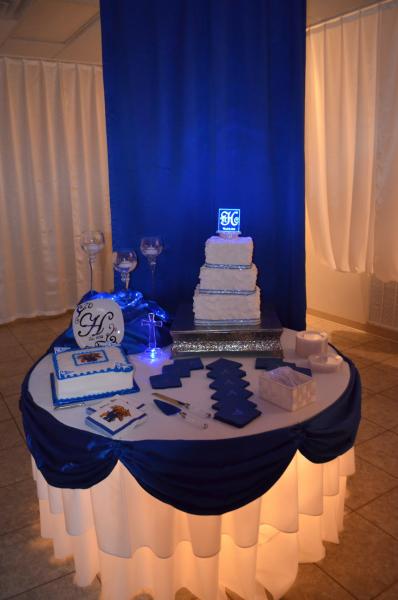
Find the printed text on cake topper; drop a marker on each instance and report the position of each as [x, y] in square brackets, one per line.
[229, 219]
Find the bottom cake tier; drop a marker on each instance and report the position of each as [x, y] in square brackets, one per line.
[223, 307]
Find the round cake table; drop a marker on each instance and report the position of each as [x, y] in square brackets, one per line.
[167, 505]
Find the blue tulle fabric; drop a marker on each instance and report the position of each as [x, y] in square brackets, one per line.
[135, 308]
[199, 477]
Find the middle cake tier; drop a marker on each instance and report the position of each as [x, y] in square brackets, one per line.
[228, 279]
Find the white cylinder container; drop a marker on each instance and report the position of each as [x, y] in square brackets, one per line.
[311, 342]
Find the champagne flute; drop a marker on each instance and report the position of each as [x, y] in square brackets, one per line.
[151, 247]
[92, 242]
[124, 262]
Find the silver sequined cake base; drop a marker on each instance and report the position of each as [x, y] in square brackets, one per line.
[190, 337]
[200, 345]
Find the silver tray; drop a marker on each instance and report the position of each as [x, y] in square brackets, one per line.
[262, 339]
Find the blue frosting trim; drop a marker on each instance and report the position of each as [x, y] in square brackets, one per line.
[227, 292]
[60, 349]
[79, 399]
[222, 266]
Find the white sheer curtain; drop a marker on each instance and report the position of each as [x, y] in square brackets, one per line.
[352, 141]
[53, 184]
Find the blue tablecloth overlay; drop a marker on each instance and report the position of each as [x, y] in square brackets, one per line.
[201, 477]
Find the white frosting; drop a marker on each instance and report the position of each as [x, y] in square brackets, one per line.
[228, 279]
[220, 307]
[226, 251]
[110, 371]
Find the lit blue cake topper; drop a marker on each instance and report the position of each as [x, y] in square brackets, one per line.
[229, 220]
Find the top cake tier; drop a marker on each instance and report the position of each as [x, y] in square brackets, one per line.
[229, 251]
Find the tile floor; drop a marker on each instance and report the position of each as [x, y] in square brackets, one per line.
[363, 566]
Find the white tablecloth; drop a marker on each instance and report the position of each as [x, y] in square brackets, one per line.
[138, 543]
[196, 390]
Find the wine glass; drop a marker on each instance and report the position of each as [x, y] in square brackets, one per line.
[151, 247]
[92, 242]
[124, 262]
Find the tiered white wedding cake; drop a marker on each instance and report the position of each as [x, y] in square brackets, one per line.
[227, 292]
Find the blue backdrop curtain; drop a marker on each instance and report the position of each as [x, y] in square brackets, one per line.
[205, 109]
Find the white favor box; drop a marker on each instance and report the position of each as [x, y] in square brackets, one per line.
[287, 396]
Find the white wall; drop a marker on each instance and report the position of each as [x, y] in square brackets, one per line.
[344, 295]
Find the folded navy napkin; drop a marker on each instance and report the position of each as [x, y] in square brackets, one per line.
[223, 362]
[225, 404]
[192, 363]
[232, 405]
[269, 364]
[237, 416]
[232, 394]
[160, 382]
[228, 384]
[178, 370]
[303, 370]
[226, 373]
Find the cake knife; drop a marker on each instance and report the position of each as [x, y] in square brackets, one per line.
[73, 405]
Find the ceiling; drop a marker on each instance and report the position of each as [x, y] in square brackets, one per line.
[321, 10]
[58, 29]
[69, 30]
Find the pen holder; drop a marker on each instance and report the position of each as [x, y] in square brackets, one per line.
[311, 342]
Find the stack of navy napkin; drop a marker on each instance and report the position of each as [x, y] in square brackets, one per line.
[232, 404]
[269, 364]
[172, 374]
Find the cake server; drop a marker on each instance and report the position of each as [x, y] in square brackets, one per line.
[194, 411]
[168, 409]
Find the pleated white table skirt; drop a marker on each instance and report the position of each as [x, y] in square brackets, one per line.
[138, 543]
